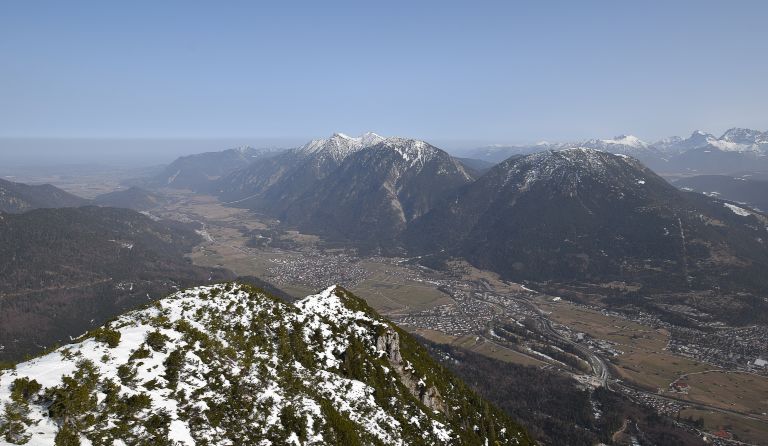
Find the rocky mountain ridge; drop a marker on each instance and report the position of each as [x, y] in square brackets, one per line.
[340, 188]
[210, 364]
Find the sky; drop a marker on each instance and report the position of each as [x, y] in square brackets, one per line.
[453, 72]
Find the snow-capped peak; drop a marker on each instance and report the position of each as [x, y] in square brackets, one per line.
[411, 150]
[733, 140]
[624, 144]
[744, 136]
[567, 166]
[340, 145]
[698, 139]
[627, 140]
[369, 138]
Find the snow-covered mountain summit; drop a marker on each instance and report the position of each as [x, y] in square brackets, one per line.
[741, 139]
[213, 363]
[733, 140]
[622, 144]
[573, 165]
[676, 144]
[671, 152]
[412, 151]
[339, 145]
[622, 140]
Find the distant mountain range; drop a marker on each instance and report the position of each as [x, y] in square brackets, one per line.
[197, 172]
[736, 150]
[19, 198]
[476, 167]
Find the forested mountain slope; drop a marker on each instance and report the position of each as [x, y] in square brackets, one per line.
[212, 364]
[65, 270]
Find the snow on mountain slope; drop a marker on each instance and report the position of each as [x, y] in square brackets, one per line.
[733, 140]
[626, 140]
[375, 193]
[744, 136]
[623, 145]
[213, 364]
[339, 145]
[414, 153]
[571, 166]
[584, 215]
[675, 145]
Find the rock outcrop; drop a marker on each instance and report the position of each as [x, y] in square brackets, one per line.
[389, 343]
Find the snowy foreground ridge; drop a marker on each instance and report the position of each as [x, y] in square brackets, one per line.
[228, 365]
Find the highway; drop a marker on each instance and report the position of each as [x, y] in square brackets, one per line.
[601, 370]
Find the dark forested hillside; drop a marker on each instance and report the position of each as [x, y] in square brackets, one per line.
[134, 198]
[714, 161]
[65, 270]
[743, 189]
[589, 216]
[18, 197]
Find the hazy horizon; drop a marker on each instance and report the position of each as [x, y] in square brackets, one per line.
[129, 152]
[148, 151]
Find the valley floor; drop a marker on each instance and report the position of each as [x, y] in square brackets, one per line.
[476, 310]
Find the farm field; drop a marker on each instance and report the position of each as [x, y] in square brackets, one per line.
[643, 361]
[746, 430]
[741, 391]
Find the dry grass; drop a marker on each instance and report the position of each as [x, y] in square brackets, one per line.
[390, 292]
[746, 430]
[644, 360]
[743, 392]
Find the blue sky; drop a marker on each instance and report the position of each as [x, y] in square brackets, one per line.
[462, 71]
